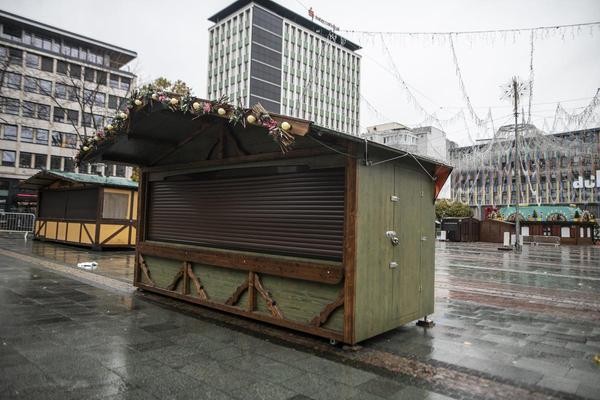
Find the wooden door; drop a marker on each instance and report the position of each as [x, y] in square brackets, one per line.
[407, 253]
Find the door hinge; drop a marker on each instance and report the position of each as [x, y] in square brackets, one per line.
[393, 264]
[421, 193]
[420, 288]
[394, 198]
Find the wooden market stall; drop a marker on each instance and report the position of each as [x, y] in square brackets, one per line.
[87, 210]
[461, 229]
[317, 230]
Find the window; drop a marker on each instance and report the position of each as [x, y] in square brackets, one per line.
[69, 140]
[8, 158]
[89, 75]
[101, 77]
[9, 106]
[61, 67]
[73, 116]
[40, 161]
[9, 132]
[15, 57]
[72, 93]
[86, 120]
[55, 162]
[59, 114]
[41, 136]
[125, 82]
[35, 85]
[33, 60]
[47, 64]
[99, 99]
[75, 71]
[88, 96]
[115, 206]
[25, 159]
[35, 110]
[60, 91]
[98, 120]
[120, 170]
[113, 102]
[26, 134]
[114, 81]
[12, 80]
[57, 139]
[69, 165]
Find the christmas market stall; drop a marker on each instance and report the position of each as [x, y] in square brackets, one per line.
[276, 219]
[87, 210]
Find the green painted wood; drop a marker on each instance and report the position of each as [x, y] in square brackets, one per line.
[374, 285]
[219, 283]
[300, 301]
[387, 298]
[427, 296]
[162, 271]
[407, 221]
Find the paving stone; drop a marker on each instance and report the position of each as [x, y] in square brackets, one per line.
[381, 387]
[263, 391]
[558, 383]
[414, 393]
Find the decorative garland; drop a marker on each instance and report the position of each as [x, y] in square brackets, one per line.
[187, 104]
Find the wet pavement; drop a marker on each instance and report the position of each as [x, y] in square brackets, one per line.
[507, 326]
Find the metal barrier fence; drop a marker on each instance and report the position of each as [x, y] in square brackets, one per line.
[17, 222]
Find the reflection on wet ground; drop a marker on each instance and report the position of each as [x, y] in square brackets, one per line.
[532, 318]
[510, 326]
[117, 264]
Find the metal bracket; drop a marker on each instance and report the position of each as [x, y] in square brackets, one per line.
[394, 198]
[393, 264]
[393, 236]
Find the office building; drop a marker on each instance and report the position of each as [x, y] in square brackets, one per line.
[57, 87]
[261, 52]
[557, 170]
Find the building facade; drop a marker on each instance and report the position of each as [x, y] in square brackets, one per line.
[426, 141]
[261, 52]
[557, 170]
[57, 87]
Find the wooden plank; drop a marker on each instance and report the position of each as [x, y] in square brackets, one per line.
[87, 232]
[197, 284]
[328, 310]
[144, 268]
[349, 257]
[141, 220]
[180, 274]
[271, 303]
[329, 273]
[182, 143]
[186, 278]
[235, 297]
[302, 327]
[115, 233]
[251, 291]
[314, 151]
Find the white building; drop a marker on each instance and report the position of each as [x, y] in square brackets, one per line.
[57, 87]
[425, 141]
[260, 51]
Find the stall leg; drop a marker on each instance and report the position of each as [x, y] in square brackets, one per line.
[425, 322]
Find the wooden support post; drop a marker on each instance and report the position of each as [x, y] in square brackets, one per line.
[251, 292]
[186, 277]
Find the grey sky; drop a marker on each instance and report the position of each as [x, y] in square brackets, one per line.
[171, 40]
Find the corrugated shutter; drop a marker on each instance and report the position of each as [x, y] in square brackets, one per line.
[298, 214]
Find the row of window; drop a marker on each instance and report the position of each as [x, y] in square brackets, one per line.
[58, 46]
[42, 111]
[75, 71]
[38, 136]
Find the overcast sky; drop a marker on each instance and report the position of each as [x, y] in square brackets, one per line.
[171, 40]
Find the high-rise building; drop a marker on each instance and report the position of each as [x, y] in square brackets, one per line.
[57, 87]
[262, 52]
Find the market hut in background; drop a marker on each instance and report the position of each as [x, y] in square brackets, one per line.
[87, 210]
[276, 219]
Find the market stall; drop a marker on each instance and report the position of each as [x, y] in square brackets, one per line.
[277, 219]
[87, 210]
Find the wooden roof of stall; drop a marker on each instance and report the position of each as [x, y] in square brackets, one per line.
[158, 138]
[45, 178]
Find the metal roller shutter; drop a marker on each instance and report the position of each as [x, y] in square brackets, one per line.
[299, 214]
